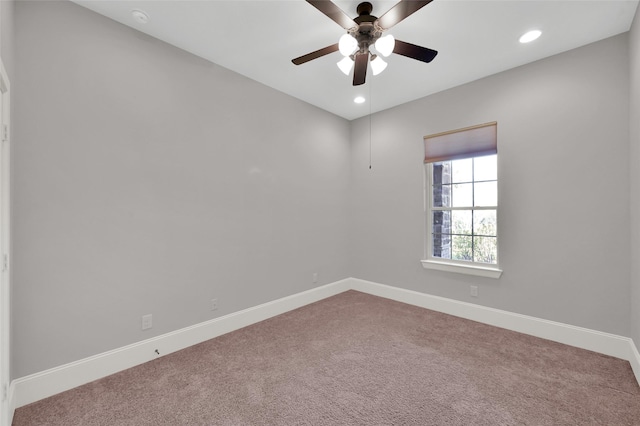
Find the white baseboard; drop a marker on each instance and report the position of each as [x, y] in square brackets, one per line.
[59, 379]
[37, 386]
[605, 343]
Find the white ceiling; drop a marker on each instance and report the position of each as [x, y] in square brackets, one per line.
[475, 38]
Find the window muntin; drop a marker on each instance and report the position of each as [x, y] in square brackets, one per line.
[463, 210]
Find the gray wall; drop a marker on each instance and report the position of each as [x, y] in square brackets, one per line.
[634, 128]
[147, 180]
[563, 135]
[6, 35]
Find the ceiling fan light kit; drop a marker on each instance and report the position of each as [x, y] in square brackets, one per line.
[365, 31]
[384, 45]
[347, 44]
[377, 64]
[345, 65]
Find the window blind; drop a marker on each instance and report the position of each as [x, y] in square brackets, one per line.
[471, 141]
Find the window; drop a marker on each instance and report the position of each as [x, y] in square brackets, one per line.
[462, 201]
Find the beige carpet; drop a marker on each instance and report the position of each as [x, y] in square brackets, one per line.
[356, 359]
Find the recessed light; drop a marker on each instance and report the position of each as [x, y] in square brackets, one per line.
[530, 36]
[140, 16]
[359, 100]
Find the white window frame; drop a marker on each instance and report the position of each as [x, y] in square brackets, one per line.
[452, 265]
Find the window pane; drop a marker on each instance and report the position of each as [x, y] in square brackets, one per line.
[442, 172]
[485, 168]
[462, 195]
[485, 249]
[461, 247]
[486, 194]
[461, 170]
[442, 195]
[484, 222]
[441, 222]
[461, 221]
[442, 246]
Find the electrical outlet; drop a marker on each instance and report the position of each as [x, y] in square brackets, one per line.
[214, 304]
[315, 277]
[474, 291]
[147, 321]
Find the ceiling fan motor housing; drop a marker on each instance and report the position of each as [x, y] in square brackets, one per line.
[367, 31]
[364, 8]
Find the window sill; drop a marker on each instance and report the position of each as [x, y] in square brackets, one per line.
[480, 271]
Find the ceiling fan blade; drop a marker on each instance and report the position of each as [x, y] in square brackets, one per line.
[415, 52]
[360, 68]
[334, 13]
[400, 11]
[314, 55]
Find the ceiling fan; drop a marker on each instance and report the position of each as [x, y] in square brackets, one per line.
[365, 31]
